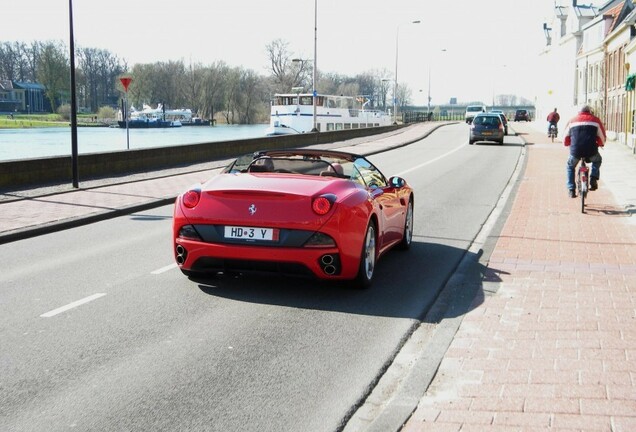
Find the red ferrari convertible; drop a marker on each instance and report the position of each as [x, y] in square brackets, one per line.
[314, 212]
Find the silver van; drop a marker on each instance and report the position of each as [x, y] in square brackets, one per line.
[472, 111]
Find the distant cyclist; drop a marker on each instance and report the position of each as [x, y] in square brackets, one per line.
[584, 134]
[553, 119]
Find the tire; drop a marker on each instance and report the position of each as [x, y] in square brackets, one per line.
[407, 238]
[368, 256]
[582, 192]
[471, 142]
[583, 201]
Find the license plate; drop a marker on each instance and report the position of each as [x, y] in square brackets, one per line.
[251, 233]
[486, 133]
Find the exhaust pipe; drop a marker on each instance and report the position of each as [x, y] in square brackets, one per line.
[182, 254]
[326, 259]
[330, 270]
[330, 264]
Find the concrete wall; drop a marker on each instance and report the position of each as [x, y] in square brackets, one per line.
[57, 170]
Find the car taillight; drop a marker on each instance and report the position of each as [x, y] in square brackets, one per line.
[322, 204]
[191, 198]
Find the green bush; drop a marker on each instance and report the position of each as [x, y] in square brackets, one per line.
[106, 113]
[64, 111]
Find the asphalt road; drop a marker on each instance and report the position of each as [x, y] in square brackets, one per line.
[147, 349]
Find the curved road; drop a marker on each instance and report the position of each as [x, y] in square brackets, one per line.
[137, 346]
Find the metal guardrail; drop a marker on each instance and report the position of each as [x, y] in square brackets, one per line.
[419, 116]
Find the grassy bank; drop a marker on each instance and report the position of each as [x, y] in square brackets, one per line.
[25, 121]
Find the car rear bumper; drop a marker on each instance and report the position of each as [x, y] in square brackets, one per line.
[321, 262]
[494, 136]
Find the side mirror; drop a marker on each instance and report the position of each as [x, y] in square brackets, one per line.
[397, 182]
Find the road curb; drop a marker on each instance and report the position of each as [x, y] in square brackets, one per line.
[424, 350]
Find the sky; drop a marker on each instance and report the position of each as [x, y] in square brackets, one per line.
[466, 49]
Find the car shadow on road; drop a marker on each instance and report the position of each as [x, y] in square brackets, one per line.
[407, 284]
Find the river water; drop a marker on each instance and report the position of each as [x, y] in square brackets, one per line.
[17, 144]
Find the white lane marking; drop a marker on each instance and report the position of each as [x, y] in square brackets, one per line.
[72, 305]
[431, 161]
[164, 269]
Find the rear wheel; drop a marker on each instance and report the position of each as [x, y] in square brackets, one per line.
[582, 183]
[582, 202]
[583, 193]
[367, 259]
[408, 228]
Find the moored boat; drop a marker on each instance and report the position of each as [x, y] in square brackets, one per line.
[149, 123]
[293, 113]
[160, 117]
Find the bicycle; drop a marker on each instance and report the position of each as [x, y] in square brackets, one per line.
[583, 182]
[553, 132]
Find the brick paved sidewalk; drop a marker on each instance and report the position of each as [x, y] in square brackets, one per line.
[555, 347]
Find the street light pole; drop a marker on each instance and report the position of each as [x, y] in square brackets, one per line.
[314, 93]
[74, 150]
[395, 81]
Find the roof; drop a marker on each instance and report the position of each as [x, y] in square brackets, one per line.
[28, 85]
[613, 14]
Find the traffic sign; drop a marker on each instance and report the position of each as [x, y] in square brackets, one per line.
[125, 82]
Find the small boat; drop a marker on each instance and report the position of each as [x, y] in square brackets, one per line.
[292, 113]
[160, 117]
[149, 123]
[197, 121]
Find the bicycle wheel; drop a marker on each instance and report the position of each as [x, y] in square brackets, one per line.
[582, 201]
[582, 191]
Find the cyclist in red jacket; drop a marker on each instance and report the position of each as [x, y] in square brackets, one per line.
[553, 119]
[584, 134]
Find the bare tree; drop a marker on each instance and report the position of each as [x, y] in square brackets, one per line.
[212, 92]
[192, 85]
[14, 62]
[287, 73]
[54, 73]
[160, 82]
[251, 91]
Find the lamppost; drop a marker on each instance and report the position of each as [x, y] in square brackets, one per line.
[74, 151]
[395, 82]
[314, 93]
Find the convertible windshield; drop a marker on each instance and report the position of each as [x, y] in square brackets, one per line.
[345, 166]
[293, 165]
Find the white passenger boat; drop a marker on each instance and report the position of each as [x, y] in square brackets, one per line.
[293, 113]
